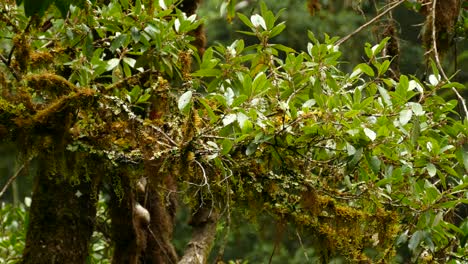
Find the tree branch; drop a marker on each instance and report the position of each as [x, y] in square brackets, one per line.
[204, 234]
[12, 178]
[359, 29]
[5, 61]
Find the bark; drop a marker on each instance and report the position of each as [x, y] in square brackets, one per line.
[161, 204]
[61, 216]
[204, 233]
[128, 240]
[143, 223]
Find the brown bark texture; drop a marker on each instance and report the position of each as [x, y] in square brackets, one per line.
[61, 215]
[204, 233]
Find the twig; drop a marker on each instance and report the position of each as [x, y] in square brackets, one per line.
[204, 175]
[437, 59]
[5, 61]
[12, 178]
[359, 29]
[302, 245]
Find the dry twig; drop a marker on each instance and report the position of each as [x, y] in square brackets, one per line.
[359, 29]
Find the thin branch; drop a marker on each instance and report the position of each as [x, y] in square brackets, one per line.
[437, 59]
[134, 78]
[5, 61]
[302, 245]
[359, 29]
[13, 178]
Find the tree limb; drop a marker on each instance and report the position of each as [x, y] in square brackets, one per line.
[204, 234]
[359, 29]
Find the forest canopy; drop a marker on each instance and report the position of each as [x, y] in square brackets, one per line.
[132, 128]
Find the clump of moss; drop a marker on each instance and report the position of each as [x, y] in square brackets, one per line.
[446, 15]
[50, 83]
[22, 51]
[41, 59]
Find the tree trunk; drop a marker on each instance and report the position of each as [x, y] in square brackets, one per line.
[161, 203]
[129, 241]
[143, 221]
[204, 224]
[61, 216]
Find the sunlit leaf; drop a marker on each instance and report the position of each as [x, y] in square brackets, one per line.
[258, 21]
[184, 100]
[370, 134]
[112, 63]
[405, 116]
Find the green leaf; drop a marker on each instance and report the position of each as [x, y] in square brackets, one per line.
[184, 101]
[239, 100]
[370, 134]
[259, 83]
[277, 30]
[251, 148]
[378, 48]
[405, 116]
[385, 95]
[375, 163]
[129, 61]
[356, 158]
[118, 42]
[464, 236]
[415, 240]
[365, 69]
[63, 6]
[464, 154]
[283, 48]
[384, 67]
[245, 20]
[213, 117]
[226, 146]
[135, 33]
[207, 73]
[144, 98]
[455, 85]
[112, 63]
[415, 132]
[229, 119]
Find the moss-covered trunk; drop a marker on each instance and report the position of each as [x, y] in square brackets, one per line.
[63, 208]
[143, 221]
[61, 216]
[128, 240]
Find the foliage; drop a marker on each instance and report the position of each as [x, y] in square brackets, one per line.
[13, 223]
[360, 162]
